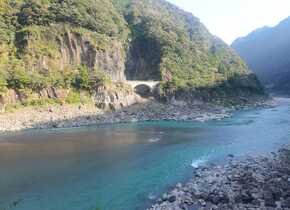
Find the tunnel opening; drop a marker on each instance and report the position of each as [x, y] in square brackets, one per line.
[143, 90]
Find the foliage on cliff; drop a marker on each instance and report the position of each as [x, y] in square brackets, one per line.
[152, 38]
[180, 51]
[31, 31]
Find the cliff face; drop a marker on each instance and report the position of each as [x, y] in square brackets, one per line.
[82, 44]
[266, 51]
[61, 46]
[75, 50]
[116, 97]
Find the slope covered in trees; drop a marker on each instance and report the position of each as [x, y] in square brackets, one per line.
[81, 44]
[266, 51]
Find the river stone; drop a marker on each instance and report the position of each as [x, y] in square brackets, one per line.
[164, 197]
[179, 185]
[286, 203]
[213, 198]
[224, 198]
[244, 197]
[269, 199]
[276, 192]
[172, 199]
[202, 202]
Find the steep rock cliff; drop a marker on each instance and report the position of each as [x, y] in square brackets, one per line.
[60, 46]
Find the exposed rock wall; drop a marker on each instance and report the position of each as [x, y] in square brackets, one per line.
[114, 99]
[61, 46]
[76, 50]
[12, 97]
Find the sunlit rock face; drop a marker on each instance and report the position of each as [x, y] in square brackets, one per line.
[76, 50]
[113, 99]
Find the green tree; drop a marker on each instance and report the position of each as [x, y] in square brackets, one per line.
[82, 79]
[37, 81]
[35, 12]
[18, 78]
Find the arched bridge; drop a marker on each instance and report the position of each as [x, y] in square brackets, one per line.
[143, 88]
[135, 83]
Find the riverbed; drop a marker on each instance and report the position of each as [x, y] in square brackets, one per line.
[123, 166]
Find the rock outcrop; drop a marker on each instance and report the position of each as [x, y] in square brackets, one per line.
[116, 98]
[75, 50]
[70, 49]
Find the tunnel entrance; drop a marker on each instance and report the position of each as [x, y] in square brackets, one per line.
[143, 90]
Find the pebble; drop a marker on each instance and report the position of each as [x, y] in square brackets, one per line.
[75, 116]
[202, 202]
[171, 199]
[253, 183]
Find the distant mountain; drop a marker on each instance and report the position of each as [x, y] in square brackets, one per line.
[267, 53]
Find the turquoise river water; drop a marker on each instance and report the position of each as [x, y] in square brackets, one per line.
[119, 167]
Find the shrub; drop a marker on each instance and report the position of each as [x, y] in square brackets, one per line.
[41, 102]
[74, 97]
[3, 82]
[82, 79]
[37, 81]
[18, 78]
[35, 12]
[90, 80]
[98, 78]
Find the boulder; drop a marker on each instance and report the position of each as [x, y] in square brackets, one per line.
[110, 99]
[172, 199]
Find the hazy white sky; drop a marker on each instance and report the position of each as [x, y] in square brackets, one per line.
[230, 19]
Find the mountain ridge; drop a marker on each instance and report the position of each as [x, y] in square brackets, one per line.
[265, 51]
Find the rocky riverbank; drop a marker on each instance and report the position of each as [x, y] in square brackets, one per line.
[252, 183]
[84, 115]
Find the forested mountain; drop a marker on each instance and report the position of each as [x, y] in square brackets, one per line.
[267, 52]
[82, 44]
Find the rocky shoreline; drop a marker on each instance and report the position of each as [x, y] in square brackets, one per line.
[251, 183]
[67, 116]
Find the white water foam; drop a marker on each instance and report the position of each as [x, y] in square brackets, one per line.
[198, 162]
[154, 140]
[152, 197]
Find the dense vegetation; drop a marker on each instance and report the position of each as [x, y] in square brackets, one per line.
[266, 51]
[29, 30]
[179, 50]
[159, 41]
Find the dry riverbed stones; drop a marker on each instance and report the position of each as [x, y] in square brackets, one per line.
[252, 183]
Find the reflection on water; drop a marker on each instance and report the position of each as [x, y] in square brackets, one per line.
[118, 167]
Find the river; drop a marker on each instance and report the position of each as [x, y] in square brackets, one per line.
[118, 167]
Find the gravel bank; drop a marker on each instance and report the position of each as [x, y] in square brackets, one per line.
[253, 183]
[76, 116]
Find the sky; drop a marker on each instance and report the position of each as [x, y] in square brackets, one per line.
[230, 19]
